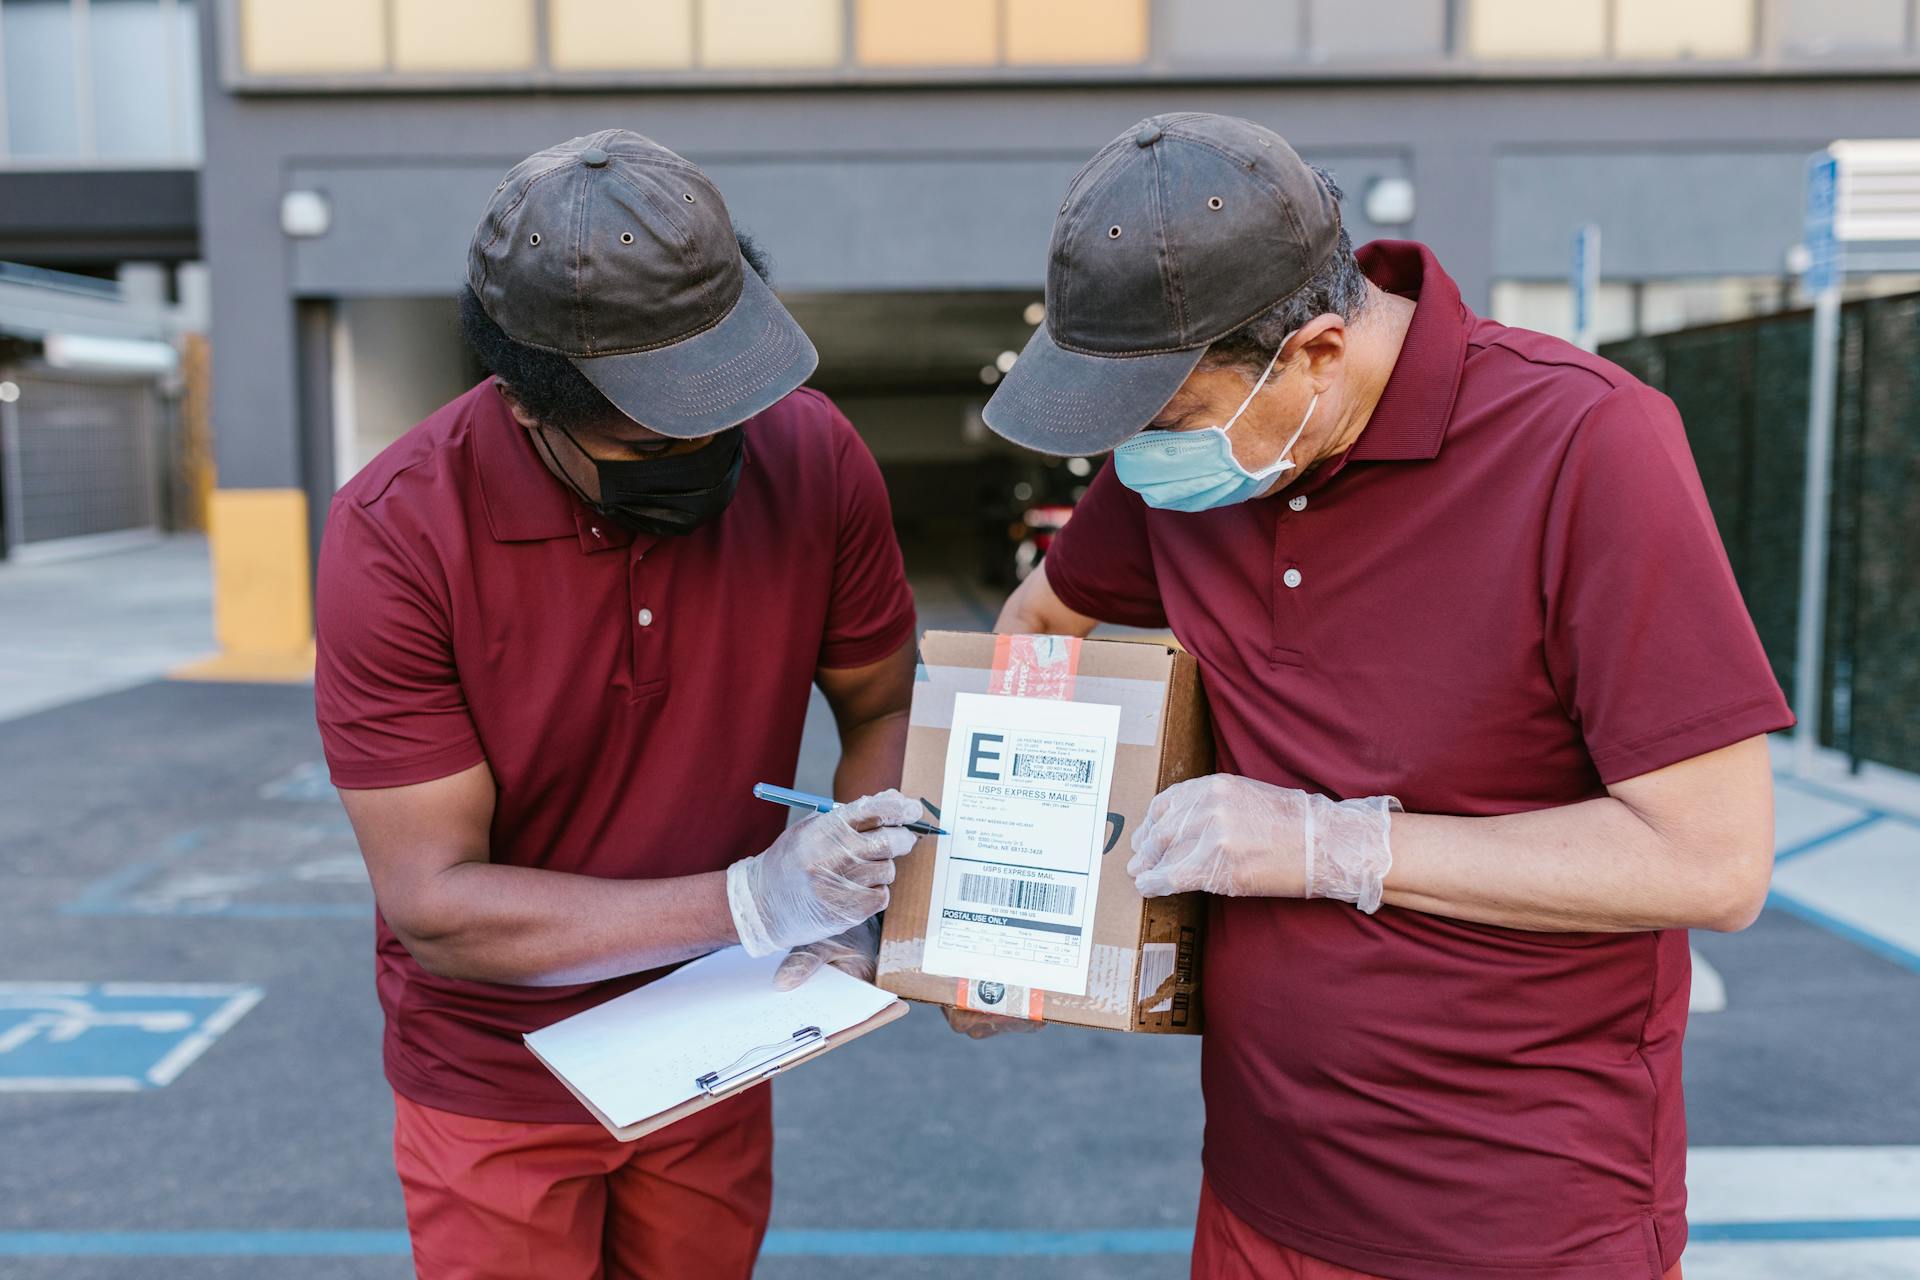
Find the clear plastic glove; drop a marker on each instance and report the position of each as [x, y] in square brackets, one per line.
[822, 876]
[1241, 838]
[855, 952]
[975, 1025]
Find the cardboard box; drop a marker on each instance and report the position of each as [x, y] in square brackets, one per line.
[1020, 845]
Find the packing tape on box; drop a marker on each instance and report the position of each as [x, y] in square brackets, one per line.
[1110, 982]
[1140, 701]
[1026, 666]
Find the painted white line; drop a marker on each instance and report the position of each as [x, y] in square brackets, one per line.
[181, 1056]
[44, 989]
[1822, 1260]
[175, 988]
[70, 1084]
[1870, 880]
[1709, 992]
[1802, 1184]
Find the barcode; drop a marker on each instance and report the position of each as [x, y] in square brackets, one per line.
[1026, 895]
[1052, 768]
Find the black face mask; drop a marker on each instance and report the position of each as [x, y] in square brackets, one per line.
[666, 496]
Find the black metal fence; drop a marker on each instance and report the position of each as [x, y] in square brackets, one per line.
[1742, 390]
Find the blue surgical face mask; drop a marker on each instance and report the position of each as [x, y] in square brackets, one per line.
[1196, 470]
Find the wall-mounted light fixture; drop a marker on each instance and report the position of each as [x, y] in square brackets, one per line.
[305, 214]
[1389, 202]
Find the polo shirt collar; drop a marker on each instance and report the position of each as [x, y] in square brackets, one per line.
[523, 500]
[1411, 419]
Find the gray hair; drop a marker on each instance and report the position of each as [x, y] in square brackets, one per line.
[1339, 288]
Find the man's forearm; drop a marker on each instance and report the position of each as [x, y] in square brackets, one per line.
[1593, 866]
[870, 757]
[522, 926]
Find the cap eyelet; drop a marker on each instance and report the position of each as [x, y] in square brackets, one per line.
[687, 196]
[626, 237]
[1214, 202]
[534, 238]
[1113, 232]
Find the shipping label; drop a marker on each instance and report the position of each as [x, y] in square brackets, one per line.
[1025, 798]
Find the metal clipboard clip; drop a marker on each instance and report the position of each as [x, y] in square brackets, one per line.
[758, 1063]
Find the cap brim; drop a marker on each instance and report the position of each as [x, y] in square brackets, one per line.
[717, 378]
[1064, 402]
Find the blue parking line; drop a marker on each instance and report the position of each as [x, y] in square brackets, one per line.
[1823, 840]
[1784, 1232]
[103, 896]
[1822, 792]
[1852, 933]
[804, 1243]
[974, 1244]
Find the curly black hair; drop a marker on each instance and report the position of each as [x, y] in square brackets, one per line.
[546, 384]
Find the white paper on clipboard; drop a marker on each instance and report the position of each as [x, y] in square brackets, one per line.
[642, 1053]
[1025, 798]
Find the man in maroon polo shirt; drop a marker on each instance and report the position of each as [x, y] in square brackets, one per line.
[1488, 706]
[565, 624]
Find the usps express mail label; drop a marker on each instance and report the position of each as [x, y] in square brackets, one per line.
[1025, 798]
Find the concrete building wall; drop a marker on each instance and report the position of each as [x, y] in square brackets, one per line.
[887, 187]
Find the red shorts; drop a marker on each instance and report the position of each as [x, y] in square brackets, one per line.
[499, 1200]
[1226, 1248]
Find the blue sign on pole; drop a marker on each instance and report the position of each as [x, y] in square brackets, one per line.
[1585, 281]
[1823, 195]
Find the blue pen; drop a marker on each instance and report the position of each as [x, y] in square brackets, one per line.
[821, 804]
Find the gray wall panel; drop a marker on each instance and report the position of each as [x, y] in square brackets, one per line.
[831, 224]
[1667, 213]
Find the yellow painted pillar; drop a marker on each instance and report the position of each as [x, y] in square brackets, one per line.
[262, 596]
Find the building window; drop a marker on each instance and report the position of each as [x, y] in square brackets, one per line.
[110, 80]
[1820, 27]
[913, 33]
[1339, 30]
[438, 42]
[1230, 32]
[1697, 29]
[463, 35]
[1063, 32]
[1529, 29]
[771, 33]
[278, 38]
[620, 35]
[42, 48]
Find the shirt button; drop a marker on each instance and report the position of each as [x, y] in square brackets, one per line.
[646, 617]
[1291, 577]
[1298, 502]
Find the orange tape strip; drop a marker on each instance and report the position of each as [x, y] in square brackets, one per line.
[1035, 666]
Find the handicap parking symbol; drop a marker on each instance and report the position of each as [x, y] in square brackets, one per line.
[110, 1037]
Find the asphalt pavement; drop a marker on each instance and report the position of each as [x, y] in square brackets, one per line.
[189, 1044]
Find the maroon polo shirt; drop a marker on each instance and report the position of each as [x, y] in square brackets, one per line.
[1508, 594]
[625, 692]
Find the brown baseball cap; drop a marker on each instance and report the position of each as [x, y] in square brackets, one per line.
[1175, 234]
[618, 254]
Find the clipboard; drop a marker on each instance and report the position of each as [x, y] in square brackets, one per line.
[687, 1030]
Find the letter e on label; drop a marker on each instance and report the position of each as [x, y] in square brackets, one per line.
[978, 754]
